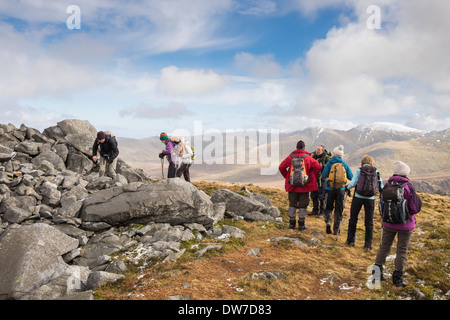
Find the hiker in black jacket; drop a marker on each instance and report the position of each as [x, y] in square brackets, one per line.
[108, 154]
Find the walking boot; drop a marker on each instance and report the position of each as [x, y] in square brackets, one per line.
[301, 224]
[328, 228]
[397, 279]
[292, 224]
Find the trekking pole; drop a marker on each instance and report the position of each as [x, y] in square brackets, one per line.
[162, 167]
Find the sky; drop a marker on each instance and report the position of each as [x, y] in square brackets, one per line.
[138, 68]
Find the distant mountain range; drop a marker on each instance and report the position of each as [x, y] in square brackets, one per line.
[427, 153]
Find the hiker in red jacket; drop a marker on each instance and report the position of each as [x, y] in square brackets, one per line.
[299, 195]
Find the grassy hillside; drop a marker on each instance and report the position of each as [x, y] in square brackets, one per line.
[327, 270]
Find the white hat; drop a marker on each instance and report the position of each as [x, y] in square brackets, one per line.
[338, 151]
[400, 168]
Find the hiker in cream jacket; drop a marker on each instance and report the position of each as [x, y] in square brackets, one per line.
[184, 151]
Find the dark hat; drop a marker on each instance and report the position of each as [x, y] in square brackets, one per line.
[101, 135]
[301, 145]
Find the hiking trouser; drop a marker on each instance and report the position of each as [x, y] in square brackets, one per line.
[335, 200]
[387, 238]
[318, 199]
[105, 166]
[183, 170]
[369, 208]
[300, 201]
[171, 173]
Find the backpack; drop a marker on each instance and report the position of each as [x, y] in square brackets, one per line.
[109, 135]
[298, 176]
[393, 205]
[337, 178]
[367, 182]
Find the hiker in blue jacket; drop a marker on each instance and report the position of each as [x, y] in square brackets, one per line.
[335, 195]
[367, 181]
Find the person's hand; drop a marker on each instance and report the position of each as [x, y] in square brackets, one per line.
[161, 155]
[94, 158]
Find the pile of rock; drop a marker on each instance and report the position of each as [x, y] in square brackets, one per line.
[65, 231]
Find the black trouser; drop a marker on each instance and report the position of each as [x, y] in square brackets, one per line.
[335, 200]
[172, 170]
[369, 208]
[318, 197]
[183, 170]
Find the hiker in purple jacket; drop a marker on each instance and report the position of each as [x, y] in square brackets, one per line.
[402, 230]
[168, 151]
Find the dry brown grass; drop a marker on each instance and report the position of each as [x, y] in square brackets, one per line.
[333, 271]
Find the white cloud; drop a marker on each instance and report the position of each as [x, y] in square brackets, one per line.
[256, 7]
[357, 72]
[262, 66]
[179, 82]
[426, 122]
[171, 111]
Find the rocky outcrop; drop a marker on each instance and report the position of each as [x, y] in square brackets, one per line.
[65, 231]
[252, 207]
[171, 201]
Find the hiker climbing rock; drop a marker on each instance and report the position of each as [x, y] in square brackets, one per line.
[106, 155]
[184, 150]
[403, 192]
[337, 172]
[170, 153]
[322, 155]
[300, 171]
[367, 181]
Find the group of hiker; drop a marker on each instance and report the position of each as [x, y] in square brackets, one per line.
[179, 154]
[326, 178]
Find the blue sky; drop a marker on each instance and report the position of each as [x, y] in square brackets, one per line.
[141, 67]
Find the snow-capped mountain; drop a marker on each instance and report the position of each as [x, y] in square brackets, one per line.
[387, 126]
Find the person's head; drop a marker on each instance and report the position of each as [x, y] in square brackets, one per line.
[163, 137]
[338, 151]
[367, 160]
[101, 136]
[400, 168]
[301, 145]
[320, 149]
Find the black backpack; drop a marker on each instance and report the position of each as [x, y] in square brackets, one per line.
[112, 138]
[367, 182]
[393, 205]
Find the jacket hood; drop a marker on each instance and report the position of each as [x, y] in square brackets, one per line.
[336, 160]
[399, 179]
[300, 152]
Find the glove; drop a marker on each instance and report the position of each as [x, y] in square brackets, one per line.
[348, 192]
[161, 155]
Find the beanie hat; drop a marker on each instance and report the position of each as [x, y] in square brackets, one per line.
[301, 145]
[338, 151]
[101, 135]
[163, 136]
[400, 168]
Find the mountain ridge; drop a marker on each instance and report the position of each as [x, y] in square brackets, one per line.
[426, 152]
